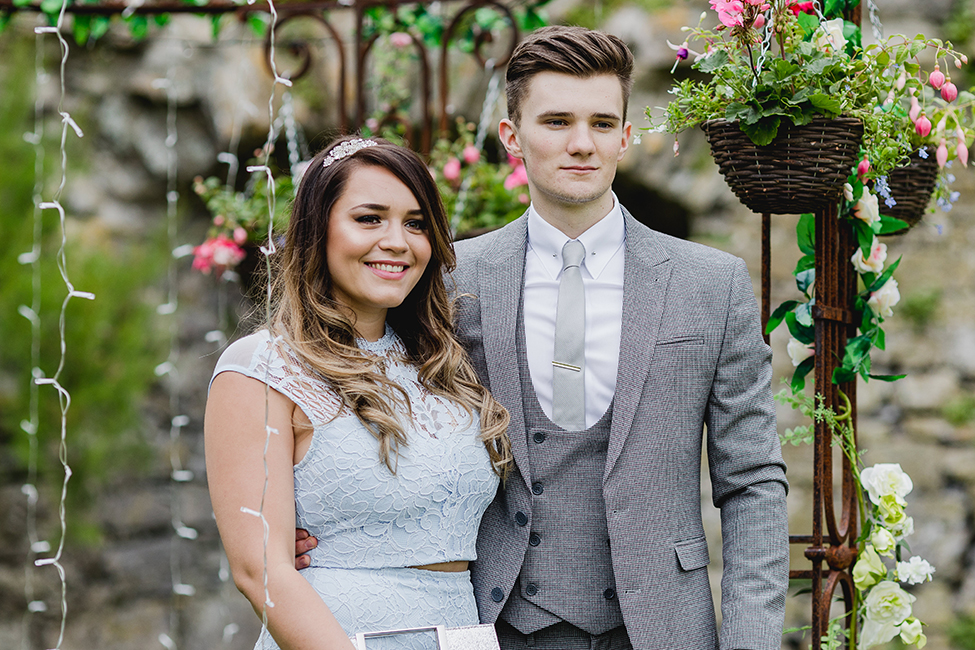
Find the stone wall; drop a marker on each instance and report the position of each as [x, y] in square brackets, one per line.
[120, 592]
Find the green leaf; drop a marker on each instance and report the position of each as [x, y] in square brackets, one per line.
[829, 106]
[138, 27]
[842, 375]
[802, 333]
[99, 26]
[739, 112]
[864, 235]
[879, 339]
[808, 23]
[833, 8]
[891, 224]
[763, 131]
[81, 27]
[804, 315]
[805, 262]
[776, 318]
[799, 376]
[882, 280]
[806, 234]
[887, 378]
[51, 6]
[713, 62]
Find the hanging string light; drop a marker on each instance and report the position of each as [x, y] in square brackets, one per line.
[32, 314]
[64, 397]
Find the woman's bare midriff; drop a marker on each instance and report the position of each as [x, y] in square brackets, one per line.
[459, 565]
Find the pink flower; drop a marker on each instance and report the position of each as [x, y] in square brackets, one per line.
[759, 21]
[922, 126]
[219, 220]
[936, 78]
[451, 170]
[523, 199]
[803, 8]
[942, 153]
[915, 109]
[240, 236]
[962, 152]
[372, 124]
[949, 92]
[217, 253]
[863, 167]
[471, 154]
[400, 39]
[874, 263]
[729, 12]
[517, 178]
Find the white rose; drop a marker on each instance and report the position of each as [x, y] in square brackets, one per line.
[882, 301]
[910, 631]
[888, 604]
[799, 351]
[903, 528]
[914, 571]
[874, 263]
[867, 208]
[886, 479]
[830, 37]
[874, 633]
[883, 541]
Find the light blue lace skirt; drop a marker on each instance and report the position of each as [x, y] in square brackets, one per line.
[371, 600]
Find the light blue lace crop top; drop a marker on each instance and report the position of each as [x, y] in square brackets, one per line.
[363, 515]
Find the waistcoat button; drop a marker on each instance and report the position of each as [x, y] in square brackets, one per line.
[531, 589]
[537, 488]
[497, 595]
[539, 437]
[534, 539]
[609, 594]
[521, 518]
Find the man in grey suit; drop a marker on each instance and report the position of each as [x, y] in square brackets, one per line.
[596, 539]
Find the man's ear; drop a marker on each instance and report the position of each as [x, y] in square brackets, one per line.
[627, 131]
[508, 134]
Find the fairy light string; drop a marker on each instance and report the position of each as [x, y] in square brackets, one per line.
[32, 314]
[64, 397]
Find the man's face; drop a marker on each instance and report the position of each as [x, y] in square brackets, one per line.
[571, 136]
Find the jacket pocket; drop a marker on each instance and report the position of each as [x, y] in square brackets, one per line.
[682, 340]
[692, 553]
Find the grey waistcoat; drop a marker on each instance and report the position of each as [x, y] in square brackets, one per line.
[567, 574]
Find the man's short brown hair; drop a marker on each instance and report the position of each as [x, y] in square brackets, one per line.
[576, 51]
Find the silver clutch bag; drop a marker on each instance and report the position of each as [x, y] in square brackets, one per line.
[468, 637]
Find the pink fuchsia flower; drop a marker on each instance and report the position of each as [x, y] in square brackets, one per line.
[863, 167]
[962, 152]
[942, 153]
[915, 109]
[949, 92]
[936, 78]
[400, 39]
[923, 126]
[517, 178]
[217, 253]
[240, 236]
[471, 154]
[451, 170]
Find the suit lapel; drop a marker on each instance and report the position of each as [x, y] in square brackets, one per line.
[646, 277]
[501, 285]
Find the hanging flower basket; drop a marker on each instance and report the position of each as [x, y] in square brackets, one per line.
[802, 170]
[911, 186]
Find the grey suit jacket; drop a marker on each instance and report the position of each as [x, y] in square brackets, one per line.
[691, 356]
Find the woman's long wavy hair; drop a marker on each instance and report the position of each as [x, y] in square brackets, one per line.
[319, 329]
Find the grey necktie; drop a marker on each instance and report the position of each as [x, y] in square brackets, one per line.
[568, 387]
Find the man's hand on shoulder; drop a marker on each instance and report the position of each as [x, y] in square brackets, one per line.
[303, 543]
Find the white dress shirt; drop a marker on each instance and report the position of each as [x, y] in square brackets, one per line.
[602, 280]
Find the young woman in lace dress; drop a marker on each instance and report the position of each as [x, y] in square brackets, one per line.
[365, 411]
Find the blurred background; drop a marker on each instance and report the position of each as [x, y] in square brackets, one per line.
[158, 215]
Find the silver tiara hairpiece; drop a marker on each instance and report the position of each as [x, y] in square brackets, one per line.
[346, 149]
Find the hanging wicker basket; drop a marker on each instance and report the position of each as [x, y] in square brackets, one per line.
[911, 186]
[802, 170]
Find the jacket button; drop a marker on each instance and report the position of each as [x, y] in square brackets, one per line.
[531, 589]
[497, 595]
[537, 488]
[539, 437]
[609, 594]
[521, 518]
[534, 539]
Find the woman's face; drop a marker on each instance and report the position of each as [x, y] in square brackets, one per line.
[377, 245]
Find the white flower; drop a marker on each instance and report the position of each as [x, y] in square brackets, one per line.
[911, 633]
[888, 604]
[874, 263]
[869, 569]
[886, 479]
[867, 209]
[914, 571]
[799, 351]
[847, 191]
[883, 541]
[829, 37]
[882, 300]
[874, 633]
